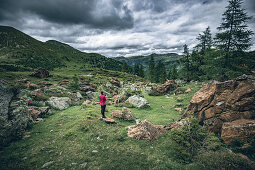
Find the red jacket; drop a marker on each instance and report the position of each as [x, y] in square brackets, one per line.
[102, 99]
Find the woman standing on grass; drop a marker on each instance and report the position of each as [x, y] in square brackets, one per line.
[102, 99]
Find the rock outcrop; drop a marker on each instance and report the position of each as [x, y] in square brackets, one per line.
[220, 102]
[145, 131]
[14, 115]
[241, 129]
[166, 87]
[138, 101]
[59, 103]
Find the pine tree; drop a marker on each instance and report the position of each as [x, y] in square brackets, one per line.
[151, 70]
[172, 75]
[205, 40]
[141, 71]
[125, 67]
[186, 61]
[234, 34]
[136, 69]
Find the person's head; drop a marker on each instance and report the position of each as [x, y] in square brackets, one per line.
[102, 92]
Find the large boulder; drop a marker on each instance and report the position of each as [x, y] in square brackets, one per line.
[14, 115]
[124, 114]
[145, 131]
[166, 87]
[41, 73]
[220, 102]
[241, 129]
[138, 101]
[59, 103]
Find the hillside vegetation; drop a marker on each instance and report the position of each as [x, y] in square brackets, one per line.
[20, 52]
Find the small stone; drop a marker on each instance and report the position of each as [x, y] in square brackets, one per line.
[94, 151]
[47, 164]
[73, 163]
[109, 120]
[83, 165]
[178, 109]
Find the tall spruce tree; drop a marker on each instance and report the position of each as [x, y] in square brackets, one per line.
[187, 62]
[136, 69]
[234, 34]
[151, 70]
[161, 75]
[172, 74]
[205, 40]
[141, 71]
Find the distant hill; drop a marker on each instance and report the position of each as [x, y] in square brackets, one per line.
[168, 59]
[19, 51]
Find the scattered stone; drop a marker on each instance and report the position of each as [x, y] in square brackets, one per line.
[87, 103]
[145, 131]
[32, 86]
[166, 87]
[47, 164]
[115, 82]
[83, 165]
[38, 120]
[188, 90]
[178, 105]
[127, 114]
[137, 121]
[41, 73]
[44, 83]
[94, 151]
[64, 82]
[138, 102]
[78, 95]
[241, 129]
[109, 120]
[59, 103]
[117, 114]
[178, 109]
[178, 91]
[177, 125]
[90, 94]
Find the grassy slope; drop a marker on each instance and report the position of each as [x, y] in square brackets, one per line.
[69, 137]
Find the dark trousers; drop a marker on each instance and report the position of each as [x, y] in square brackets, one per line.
[103, 110]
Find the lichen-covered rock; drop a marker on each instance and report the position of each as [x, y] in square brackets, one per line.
[138, 101]
[14, 115]
[39, 112]
[59, 103]
[241, 129]
[117, 114]
[145, 131]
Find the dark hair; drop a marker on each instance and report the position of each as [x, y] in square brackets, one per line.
[102, 92]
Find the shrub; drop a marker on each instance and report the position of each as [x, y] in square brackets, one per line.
[154, 93]
[221, 160]
[191, 139]
[74, 85]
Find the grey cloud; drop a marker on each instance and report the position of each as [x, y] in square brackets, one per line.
[112, 13]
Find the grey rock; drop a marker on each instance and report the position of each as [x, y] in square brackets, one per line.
[90, 94]
[83, 165]
[59, 103]
[14, 115]
[138, 102]
[47, 164]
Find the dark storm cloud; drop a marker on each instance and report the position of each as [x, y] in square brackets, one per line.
[119, 27]
[97, 14]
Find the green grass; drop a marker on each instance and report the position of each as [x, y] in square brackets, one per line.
[68, 138]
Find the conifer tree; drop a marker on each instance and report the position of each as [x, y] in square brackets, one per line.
[136, 69]
[186, 61]
[141, 71]
[151, 70]
[234, 34]
[172, 75]
[205, 40]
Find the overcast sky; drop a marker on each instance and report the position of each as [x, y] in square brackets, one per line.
[118, 27]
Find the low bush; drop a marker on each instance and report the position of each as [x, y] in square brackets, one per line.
[154, 93]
